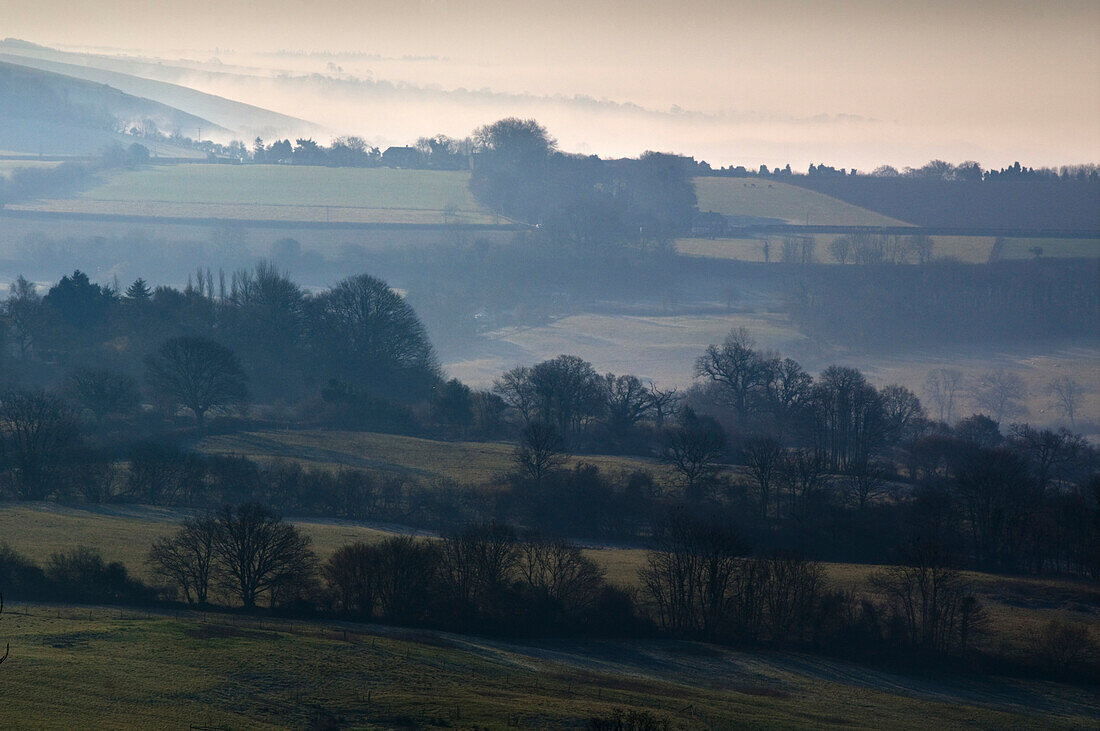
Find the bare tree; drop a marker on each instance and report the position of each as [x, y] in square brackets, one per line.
[187, 558]
[257, 551]
[841, 249]
[408, 572]
[664, 403]
[103, 392]
[931, 602]
[804, 473]
[694, 449]
[478, 563]
[690, 576]
[1001, 394]
[764, 458]
[736, 367]
[920, 247]
[515, 389]
[24, 311]
[540, 450]
[353, 573]
[903, 412]
[943, 386]
[865, 481]
[559, 572]
[1066, 395]
[628, 401]
[372, 338]
[36, 429]
[199, 374]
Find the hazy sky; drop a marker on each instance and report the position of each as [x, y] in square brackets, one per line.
[845, 82]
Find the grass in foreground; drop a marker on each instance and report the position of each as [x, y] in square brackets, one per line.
[110, 668]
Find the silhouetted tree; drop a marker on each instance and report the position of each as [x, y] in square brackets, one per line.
[187, 557]
[196, 373]
[694, 449]
[737, 368]
[371, 338]
[540, 450]
[1001, 394]
[764, 459]
[1066, 395]
[36, 431]
[258, 552]
[103, 392]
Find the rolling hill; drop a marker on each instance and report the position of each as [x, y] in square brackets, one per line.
[52, 114]
[217, 117]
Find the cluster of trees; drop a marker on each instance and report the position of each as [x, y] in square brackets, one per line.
[79, 575]
[33, 182]
[965, 197]
[479, 577]
[701, 584]
[699, 581]
[968, 171]
[887, 306]
[583, 201]
[866, 248]
[197, 348]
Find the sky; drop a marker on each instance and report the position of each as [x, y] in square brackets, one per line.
[849, 82]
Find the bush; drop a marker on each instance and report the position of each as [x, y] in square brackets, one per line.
[1062, 646]
[81, 575]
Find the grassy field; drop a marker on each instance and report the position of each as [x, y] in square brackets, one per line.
[1058, 248]
[109, 668]
[464, 462]
[7, 166]
[1016, 605]
[125, 533]
[790, 203]
[280, 192]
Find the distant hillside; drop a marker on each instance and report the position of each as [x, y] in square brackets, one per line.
[48, 113]
[228, 117]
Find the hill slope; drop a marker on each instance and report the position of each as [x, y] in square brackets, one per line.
[225, 116]
[47, 113]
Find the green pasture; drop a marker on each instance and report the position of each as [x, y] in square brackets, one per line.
[772, 199]
[469, 463]
[279, 192]
[106, 668]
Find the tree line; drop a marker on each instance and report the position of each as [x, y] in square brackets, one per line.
[823, 464]
[700, 580]
[890, 306]
[212, 344]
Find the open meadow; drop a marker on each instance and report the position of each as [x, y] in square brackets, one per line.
[278, 193]
[7, 166]
[764, 198]
[468, 463]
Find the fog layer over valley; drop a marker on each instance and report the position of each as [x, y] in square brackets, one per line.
[609, 366]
